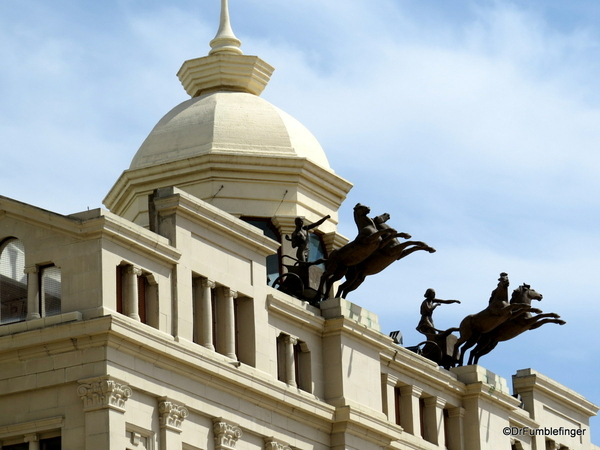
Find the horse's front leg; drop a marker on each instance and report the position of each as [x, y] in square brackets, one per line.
[546, 318]
[416, 246]
[387, 239]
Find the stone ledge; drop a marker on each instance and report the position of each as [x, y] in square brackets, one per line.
[36, 324]
[339, 307]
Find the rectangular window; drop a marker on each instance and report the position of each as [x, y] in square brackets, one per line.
[397, 405]
[13, 282]
[303, 366]
[50, 291]
[142, 305]
[145, 304]
[120, 289]
[45, 444]
[424, 430]
[51, 444]
[447, 429]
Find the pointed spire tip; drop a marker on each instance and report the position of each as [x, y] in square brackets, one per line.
[225, 40]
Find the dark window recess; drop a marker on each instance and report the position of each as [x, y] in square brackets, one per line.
[13, 282]
[50, 291]
[269, 230]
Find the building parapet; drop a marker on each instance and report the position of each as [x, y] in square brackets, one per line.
[527, 380]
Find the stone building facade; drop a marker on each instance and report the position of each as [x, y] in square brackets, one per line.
[153, 325]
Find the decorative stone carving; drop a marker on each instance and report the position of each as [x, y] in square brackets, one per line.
[226, 434]
[33, 437]
[104, 393]
[229, 293]
[134, 270]
[208, 284]
[273, 444]
[171, 415]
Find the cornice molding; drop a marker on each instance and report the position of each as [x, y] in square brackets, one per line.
[175, 201]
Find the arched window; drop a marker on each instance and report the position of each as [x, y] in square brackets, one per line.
[13, 282]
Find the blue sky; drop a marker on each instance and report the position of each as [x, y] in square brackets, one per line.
[476, 125]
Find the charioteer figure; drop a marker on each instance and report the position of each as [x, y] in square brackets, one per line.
[300, 239]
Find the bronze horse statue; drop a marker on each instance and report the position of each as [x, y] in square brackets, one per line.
[380, 259]
[498, 311]
[368, 240]
[519, 322]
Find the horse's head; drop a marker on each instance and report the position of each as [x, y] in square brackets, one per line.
[361, 210]
[524, 294]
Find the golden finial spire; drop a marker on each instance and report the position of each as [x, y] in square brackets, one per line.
[225, 41]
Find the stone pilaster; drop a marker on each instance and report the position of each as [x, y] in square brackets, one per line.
[170, 417]
[434, 420]
[388, 390]
[103, 405]
[455, 438]
[409, 409]
[286, 226]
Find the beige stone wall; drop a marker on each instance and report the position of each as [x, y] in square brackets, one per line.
[103, 380]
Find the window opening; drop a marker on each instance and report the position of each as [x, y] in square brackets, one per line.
[397, 405]
[13, 282]
[51, 444]
[50, 291]
[269, 230]
[142, 304]
[424, 431]
[316, 249]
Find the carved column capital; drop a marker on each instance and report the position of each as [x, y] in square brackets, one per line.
[456, 412]
[284, 224]
[226, 434]
[290, 340]
[133, 270]
[171, 414]
[410, 390]
[273, 444]
[227, 292]
[31, 269]
[206, 283]
[33, 437]
[333, 241]
[436, 402]
[389, 379]
[102, 393]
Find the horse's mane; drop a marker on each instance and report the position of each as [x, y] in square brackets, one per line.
[517, 294]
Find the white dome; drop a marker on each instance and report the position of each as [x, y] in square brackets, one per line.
[227, 122]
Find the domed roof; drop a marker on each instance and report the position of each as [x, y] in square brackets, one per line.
[227, 122]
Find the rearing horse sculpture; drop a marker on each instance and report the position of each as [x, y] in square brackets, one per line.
[368, 240]
[519, 322]
[381, 258]
[498, 311]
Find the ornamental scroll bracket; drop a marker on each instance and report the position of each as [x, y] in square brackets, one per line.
[226, 434]
[273, 444]
[171, 414]
[103, 392]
